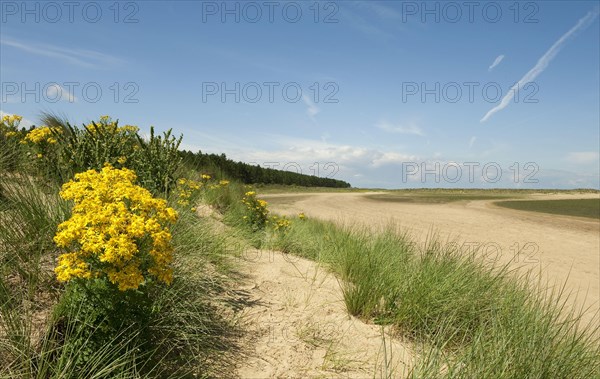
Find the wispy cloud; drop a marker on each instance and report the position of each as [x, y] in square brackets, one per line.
[386, 158]
[472, 141]
[354, 20]
[79, 57]
[306, 151]
[543, 62]
[583, 157]
[497, 61]
[312, 110]
[382, 11]
[365, 165]
[408, 128]
[56, 92]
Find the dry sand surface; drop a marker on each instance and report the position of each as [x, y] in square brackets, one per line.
[565, 248]
[296, 319]
[298, 326]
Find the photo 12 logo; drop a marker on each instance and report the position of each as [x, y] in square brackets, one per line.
[453, 12]
[322, 170]
[454, 92]
[254, 92]
[125, 12]
[454, 172]
[526, 252]
[269, 11]
[70, 92]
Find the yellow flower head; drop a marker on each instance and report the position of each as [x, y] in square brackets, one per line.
[106, 125]
[280, 224]
[42, 134]
[117, 230]
[130, 129]
[10, 122]
[257, 211]
[186, 188]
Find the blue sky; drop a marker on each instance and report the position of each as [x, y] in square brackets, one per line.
[382, 94]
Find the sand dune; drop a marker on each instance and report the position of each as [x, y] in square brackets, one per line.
[565, 248]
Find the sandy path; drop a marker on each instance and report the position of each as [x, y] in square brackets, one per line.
[298, 326]
[563, 247]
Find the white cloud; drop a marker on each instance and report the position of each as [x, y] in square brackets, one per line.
[79, 57]
[472, 141]
[392, 158]
[312, 110]
[305, 152]
[408, 128]
[308, 153]
[583, 157]
[553, 178]
[497, 61]
[371, 167]
[56, 92]
[542, 63]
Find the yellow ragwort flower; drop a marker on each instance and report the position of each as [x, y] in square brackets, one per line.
[117, 230]
[42, 134]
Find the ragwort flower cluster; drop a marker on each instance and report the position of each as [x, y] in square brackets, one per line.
[257, 213]
[42, 135]
[9, 125]
[106, 125]
[117, 230]
[186, 189]
[280, 224]
[189, 190]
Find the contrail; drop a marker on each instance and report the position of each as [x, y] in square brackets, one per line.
[496, 62]
[543, 62]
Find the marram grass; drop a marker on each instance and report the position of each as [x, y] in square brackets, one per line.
[468, 318]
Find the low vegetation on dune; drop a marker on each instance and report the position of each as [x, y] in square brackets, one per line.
[589, 208]
[102, 256]
[109, 269]
[469, 317]
[426, 197]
